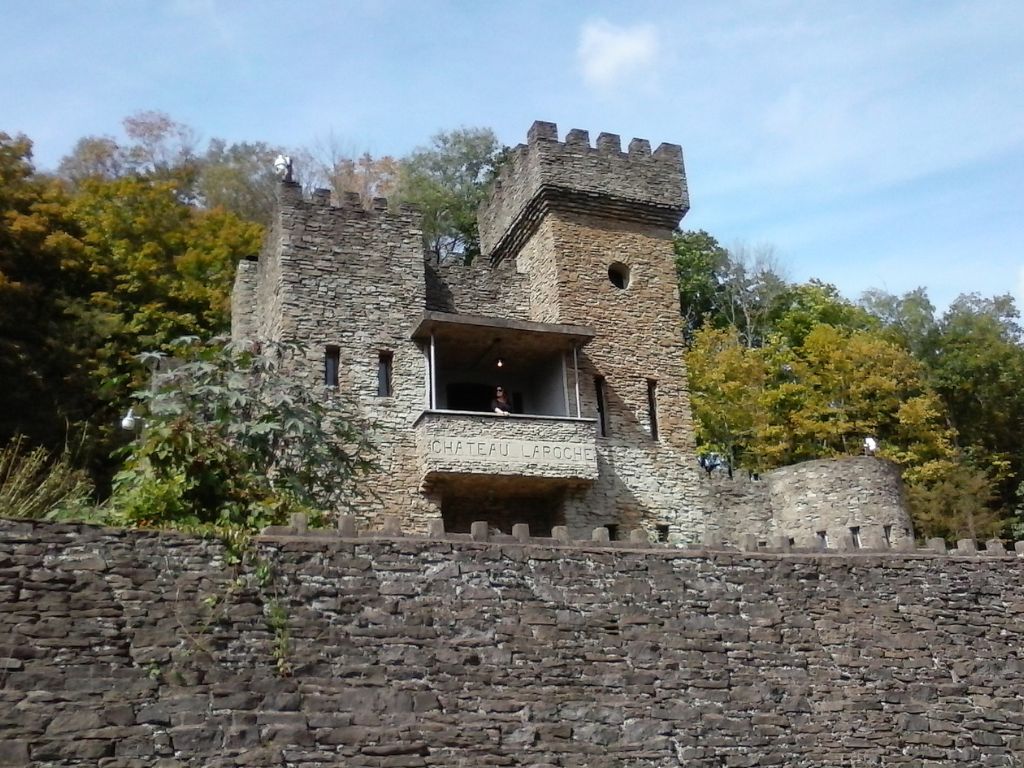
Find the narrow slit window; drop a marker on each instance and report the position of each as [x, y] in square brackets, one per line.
[613, 531]
[332, 361]
[887, 533]
[385, 362]
[662, 532]
[855, 535]
[602, 417]
[652, 407]
[823, 539]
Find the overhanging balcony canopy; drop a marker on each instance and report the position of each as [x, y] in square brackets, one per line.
[469, 355]
[469, 339]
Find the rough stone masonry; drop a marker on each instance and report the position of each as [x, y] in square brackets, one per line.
[573, 306]
[125, 649]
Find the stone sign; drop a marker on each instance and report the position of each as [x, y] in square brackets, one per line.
[506, 450]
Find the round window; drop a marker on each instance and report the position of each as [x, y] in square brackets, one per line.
[618, 274]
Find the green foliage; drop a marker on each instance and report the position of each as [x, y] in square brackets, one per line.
[954, 500]
[239, 178]
[727, 391]
[700, 261]
[777, 404]
[447, 180]
[36, 240]
[975, 362]
[231, 439]
[735, 288]
[36, 485]
[799, 309]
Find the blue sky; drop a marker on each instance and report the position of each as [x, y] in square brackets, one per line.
[872, 144]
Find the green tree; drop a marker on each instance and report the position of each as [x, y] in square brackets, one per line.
[700, 262]
[240, 178]
[955, 500]
[798, 309]
[447, 180]
[228, 438]
[908, 320]
[978, 368]
[727, 392]
[38, 364]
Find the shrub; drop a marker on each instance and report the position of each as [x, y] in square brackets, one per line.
[230, 439]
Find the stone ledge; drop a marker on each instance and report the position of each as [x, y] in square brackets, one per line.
[481, 536]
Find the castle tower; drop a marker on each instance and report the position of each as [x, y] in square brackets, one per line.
[346, 281]
[591, 227]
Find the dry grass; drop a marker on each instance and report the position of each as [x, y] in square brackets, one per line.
[36, 485]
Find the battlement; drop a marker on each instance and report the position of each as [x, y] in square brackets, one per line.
[290, 198]
[637, 185]
[871, 540]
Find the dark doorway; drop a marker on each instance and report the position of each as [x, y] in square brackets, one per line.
[469, 396]
[540, 511]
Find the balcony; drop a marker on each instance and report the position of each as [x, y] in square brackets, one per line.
[465, 444]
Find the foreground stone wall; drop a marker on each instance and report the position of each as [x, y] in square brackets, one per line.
[125, 649]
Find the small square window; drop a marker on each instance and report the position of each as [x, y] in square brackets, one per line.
[662, 532]
[613, 531]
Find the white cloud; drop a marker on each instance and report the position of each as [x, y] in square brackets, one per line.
[609, 55]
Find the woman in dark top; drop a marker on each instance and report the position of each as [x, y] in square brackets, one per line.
[500, 403]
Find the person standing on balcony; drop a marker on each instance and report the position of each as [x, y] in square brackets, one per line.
[500, 404]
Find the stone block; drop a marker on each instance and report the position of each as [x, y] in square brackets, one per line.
[347, 527]
[480, 530]
[639, 536]
[995, 547]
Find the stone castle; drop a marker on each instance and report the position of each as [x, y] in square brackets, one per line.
[573, 308]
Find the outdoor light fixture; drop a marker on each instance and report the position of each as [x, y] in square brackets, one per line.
[128, 422]
[501, 363]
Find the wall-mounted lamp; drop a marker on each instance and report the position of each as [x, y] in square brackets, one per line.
[129, 421]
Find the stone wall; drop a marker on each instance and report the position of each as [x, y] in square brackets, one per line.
[478, 289]
[132, 649]
[737, 505]
[517, 446]
[644, 481]
[836, 495]
[346, 277]
[802, 500]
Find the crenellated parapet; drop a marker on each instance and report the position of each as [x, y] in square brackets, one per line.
[636, 185]
[872, 540]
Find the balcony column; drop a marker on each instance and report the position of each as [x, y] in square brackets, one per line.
[433, 374]
[576, 376]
